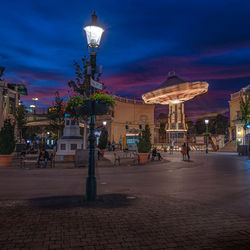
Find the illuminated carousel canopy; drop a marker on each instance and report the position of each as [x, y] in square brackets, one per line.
[175, 90]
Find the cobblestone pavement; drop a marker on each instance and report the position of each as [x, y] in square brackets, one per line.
[156, 206]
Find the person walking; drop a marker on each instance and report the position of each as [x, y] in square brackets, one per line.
[184, 151]
[188, 150]
[171, 147]
[113, 146]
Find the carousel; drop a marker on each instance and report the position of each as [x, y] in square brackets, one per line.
[174, 92]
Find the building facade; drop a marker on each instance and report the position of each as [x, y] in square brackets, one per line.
[236, 130]
[126, 120]
[8, 101]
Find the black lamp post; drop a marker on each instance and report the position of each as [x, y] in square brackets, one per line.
[206, 122]
[94, 34]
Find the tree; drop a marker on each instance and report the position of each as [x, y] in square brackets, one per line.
[200, 126]
[81, 85]
[221, 125]
[31, 132]
[103, 139]
[7, 138]
[56, 115]
[144, 144]
[1, 72]
[20, 117]
[245, 112]
[191, 128]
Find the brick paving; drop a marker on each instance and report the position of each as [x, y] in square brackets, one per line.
[116, 222]
[176, 205]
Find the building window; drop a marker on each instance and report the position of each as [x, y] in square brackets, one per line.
[63, 146]
[67, 123]
[73, 122]
[73, 146]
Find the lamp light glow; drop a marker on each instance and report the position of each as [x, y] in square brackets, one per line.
[94, 32]
[206, 121]
[176, 101]
[94, 35]
[104, 123]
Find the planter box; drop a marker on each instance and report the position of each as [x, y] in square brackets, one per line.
[93, 108]
[143, 157]
[242, 150]
[5, 160]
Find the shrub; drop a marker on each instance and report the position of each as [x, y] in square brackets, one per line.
[103, 139]
[144, 144]
[7, 139]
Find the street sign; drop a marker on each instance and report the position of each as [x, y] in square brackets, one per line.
[95, 84]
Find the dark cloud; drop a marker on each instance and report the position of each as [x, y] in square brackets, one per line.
[142, 42]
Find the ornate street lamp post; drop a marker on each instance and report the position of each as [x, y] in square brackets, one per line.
[206, 122]
[94, 34]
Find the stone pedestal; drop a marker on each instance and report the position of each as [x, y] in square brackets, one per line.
[70, 141]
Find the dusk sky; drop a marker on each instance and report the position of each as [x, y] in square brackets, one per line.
[142, 42]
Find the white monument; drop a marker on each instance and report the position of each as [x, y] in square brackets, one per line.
[70, 141]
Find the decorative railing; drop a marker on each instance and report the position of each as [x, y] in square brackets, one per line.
[235, 95]
[127, 100]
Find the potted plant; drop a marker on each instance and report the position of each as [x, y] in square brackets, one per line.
[103, 141]
[144, 145]
[7, 143]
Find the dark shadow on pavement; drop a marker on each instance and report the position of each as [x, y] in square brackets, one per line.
[106, 201]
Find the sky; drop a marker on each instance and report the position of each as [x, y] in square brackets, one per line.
[142, 42]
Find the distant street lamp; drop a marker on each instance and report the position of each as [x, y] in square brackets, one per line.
[33, 106]
[35, 99]
[206, 122]
[94, 34]
[104, 123]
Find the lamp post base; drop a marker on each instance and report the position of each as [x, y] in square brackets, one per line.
[91, 188]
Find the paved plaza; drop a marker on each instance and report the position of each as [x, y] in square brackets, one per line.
[172, 204]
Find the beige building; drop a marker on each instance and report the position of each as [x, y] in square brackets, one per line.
[126, 120]
[236, 130]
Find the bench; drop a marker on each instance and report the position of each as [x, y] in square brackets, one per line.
[32, 159]
[126, 155]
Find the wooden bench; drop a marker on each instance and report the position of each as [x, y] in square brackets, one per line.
[126, 155]
[32, 159]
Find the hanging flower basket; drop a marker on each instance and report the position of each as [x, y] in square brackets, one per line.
[98, 104]
[91, 107]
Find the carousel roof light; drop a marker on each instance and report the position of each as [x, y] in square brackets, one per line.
[175, 90]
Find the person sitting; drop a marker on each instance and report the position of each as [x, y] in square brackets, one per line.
[43, 156]
[156, 154]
